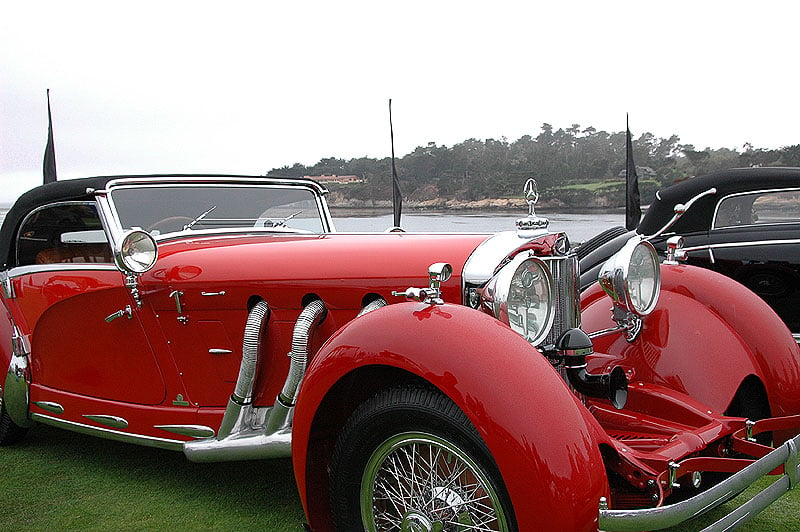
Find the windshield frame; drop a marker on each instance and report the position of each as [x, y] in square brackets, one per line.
[111, 219]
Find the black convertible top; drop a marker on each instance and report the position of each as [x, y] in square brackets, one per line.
[67, 190]
[698, 218]
[82, 190]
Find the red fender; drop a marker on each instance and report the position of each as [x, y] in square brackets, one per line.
[544, 441]
[6, 331]
[706, 335]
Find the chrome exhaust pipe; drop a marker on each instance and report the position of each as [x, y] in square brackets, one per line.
[280, 415]
[240, 437]
[242, 397]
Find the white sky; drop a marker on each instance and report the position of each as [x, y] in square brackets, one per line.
[244, 87]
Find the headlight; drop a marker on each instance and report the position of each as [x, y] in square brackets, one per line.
[632, 277]
[521, 295]
[137, 252]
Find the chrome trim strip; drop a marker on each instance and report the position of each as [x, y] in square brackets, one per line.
[215, 351]
[755, 243]
[195, 431]
[674, 514]
[749, 243]
[139, 439]
[210, 179]
[60, 267]
[114, 422]
[7, 287]
[50, 406]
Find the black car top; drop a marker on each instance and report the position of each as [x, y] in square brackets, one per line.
[727, 182]
[67, 190]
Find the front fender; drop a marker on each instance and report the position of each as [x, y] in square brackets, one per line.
[707, 334]
[544, 441]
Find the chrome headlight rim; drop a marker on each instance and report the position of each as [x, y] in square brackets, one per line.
[497, 293]
[616, 277]
[136, 252]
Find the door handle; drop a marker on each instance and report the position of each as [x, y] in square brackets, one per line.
[176, 294]
[127, 311]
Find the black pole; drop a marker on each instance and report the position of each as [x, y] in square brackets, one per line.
[49, 166]
[397, 197]
[633, 209]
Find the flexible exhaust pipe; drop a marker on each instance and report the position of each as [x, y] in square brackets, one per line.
[375, 304]
[241, 398]
[574, 345]
[238, 437]
[280, 415]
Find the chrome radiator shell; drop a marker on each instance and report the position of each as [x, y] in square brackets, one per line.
[566, 298]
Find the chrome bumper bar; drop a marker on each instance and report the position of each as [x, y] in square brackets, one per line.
[666, 516]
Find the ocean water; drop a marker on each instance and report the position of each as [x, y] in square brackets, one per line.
[578, 227]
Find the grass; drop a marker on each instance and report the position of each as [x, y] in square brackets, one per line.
[781, 516]
[56, 480]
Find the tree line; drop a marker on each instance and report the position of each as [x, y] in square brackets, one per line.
[477, 169]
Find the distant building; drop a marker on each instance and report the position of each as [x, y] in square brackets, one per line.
[340, 179]
[644, 172]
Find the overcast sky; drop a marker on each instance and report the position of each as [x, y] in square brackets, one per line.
[244, 87]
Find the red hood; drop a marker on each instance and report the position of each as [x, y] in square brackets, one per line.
[370, 262]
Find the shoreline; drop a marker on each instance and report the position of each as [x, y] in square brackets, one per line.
[521, 210]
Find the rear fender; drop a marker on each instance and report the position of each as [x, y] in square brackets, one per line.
[544, 441]
[705, 337]
[14, 371]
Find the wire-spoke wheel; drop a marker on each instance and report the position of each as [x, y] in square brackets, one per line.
[418, 481]
[408, 460]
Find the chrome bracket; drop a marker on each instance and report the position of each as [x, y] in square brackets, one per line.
[628, 321]
[437, 274]
[7, 285]
[133, 286]
[673, 475]
[176, 295]
[748, 426]
[675, 251]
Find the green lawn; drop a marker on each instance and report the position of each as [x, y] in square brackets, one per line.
[56, 480]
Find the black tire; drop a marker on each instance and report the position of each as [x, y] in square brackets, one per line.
[393, 427]
[10, 432]
[751, 402]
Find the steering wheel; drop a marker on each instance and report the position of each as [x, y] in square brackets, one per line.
[171, 223]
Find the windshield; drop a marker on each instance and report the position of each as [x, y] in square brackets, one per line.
[162, 209]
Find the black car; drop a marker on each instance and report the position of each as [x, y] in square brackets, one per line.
[744, 223]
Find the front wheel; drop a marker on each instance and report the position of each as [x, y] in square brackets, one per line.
[409, 459]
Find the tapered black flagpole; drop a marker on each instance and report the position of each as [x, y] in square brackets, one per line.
[397, 197]
[49, 166]
[633, 209]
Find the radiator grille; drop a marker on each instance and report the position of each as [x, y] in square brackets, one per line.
[566, 298]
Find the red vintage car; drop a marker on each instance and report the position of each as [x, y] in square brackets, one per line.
[419, 381]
